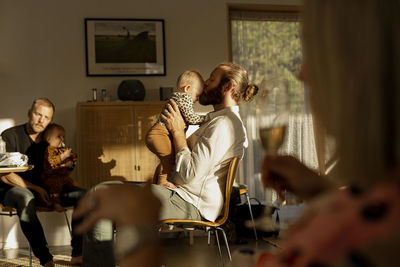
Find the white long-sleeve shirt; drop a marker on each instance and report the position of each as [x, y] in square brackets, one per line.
[204, 164]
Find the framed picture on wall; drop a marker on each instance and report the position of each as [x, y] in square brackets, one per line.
[125, 47]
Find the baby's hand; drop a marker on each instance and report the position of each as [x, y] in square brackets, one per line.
[66, 154]
[69, 164]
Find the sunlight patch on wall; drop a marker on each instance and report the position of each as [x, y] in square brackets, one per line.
[6, 123]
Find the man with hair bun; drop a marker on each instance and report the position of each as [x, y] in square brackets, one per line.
[200, 181]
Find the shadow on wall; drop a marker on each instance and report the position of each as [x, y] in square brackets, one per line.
[106, 163]
[98, 166]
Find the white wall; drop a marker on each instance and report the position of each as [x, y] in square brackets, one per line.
[54, 226]
[42, 48]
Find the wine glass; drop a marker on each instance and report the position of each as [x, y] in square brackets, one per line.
[272, 113]
[272, 117]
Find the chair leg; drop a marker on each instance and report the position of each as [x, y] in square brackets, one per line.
[219, 247]
[251, 216]
[68, 223]
[209, 237]
[191, 238]
[30, 255]
[226, 242]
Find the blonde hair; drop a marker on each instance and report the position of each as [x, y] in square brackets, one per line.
[238, 75]
[43, 102]
[352, 52]
[188, 77]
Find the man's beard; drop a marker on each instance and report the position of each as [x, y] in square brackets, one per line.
[35, 128]
[213, 96]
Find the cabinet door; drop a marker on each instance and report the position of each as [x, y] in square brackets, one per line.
[146, 161]
[106, 144]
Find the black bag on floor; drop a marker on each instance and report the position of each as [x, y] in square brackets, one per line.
[242, 214]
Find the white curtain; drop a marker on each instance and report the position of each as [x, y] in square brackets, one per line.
[299, 142]
[267, 44]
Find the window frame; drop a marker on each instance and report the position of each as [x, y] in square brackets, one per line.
[256, 8]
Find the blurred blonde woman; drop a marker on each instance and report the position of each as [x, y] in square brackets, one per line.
[352, 52]
[351, 65]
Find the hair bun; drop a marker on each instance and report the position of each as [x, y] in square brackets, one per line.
[250, 92]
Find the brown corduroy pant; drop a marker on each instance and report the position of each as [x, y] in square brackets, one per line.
[159, 141]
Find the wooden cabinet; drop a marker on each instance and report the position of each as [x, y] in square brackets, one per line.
[110, 140]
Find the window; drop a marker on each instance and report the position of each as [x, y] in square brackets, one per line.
[266, 41]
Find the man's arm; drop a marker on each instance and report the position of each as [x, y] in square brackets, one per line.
[14, 179]
[10, 140]
[139, 207]
[175, 124]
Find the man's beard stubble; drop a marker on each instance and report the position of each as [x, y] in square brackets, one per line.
[213, 96]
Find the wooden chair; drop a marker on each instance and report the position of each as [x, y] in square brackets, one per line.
[9, 211]
[190, 225]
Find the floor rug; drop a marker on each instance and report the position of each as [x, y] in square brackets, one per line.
[59, 260]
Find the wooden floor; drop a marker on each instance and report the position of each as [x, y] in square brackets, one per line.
[177, 252]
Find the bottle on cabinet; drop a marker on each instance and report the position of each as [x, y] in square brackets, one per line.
[94, 99]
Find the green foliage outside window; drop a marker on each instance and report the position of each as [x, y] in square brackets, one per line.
[269, 49]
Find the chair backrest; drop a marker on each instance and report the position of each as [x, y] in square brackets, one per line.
[230, 178]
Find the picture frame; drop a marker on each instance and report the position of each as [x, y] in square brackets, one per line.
[125, 47]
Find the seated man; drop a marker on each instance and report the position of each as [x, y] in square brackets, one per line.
[23, 191]
[204, 159]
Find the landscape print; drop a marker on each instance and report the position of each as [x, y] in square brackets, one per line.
[124, 47]
[125, 42]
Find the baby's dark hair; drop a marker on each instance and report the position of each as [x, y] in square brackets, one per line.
[187, 77]
[50, 128]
